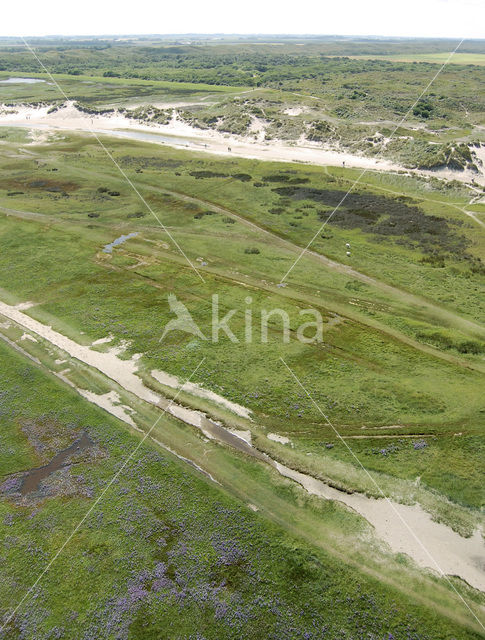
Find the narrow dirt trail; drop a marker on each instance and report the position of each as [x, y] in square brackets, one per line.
[474, 217]
[28, 215]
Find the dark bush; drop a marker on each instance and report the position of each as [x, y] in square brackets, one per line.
[470, 346]
[138, 214]
[384, 216]
[423, 109]
[434, 260]
[207, 174]
[286, 178]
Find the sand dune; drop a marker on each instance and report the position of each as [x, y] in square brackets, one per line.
[180, 134]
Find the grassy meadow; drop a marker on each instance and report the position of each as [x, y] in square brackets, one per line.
[166, 553]
[402, 341]
[195, 539]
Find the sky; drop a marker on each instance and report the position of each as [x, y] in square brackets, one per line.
[427, 18]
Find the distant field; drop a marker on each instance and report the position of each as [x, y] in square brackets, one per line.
[94, 89]
[438, 58]
[138, 82]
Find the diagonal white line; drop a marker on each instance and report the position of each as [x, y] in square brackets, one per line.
[110, 156]
[98, 499]
[359, 178]
[374, 482]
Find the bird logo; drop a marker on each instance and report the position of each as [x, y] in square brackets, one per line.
[183, 321]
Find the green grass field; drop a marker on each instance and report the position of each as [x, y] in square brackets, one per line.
[166, 553]
[104, 90]
[398, 276]
[435, 58]
[397, 313]
[361, 374]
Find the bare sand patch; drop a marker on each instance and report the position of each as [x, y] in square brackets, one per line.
[276, 438]
[27, 336]
[296, 111]
[195, 389]
[410, 530]
[22, 306]
[111, 403]
[242, 434]
[103, 340]
[180, 134]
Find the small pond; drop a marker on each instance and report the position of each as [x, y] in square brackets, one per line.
[109, 247]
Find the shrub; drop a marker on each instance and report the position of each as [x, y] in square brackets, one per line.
[207, 174]
[434, 260]
[423, 109]
[470, 346]
[138, 214]
[318, 131]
